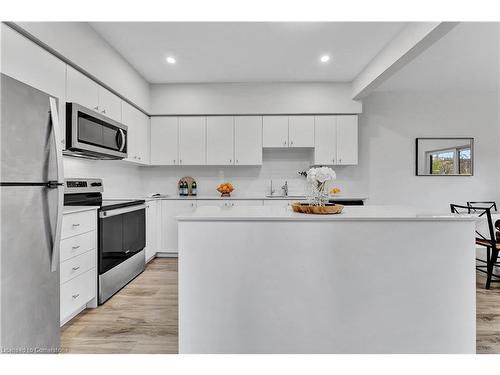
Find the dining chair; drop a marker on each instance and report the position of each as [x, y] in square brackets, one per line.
[488, 240]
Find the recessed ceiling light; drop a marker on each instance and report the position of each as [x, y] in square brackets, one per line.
[324, 58]
[171, 60]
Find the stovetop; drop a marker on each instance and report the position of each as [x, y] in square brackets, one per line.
[88, 192]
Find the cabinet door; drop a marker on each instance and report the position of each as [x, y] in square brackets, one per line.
[192, 140]
[301, 131]
[110, 105]
[25, 61]
[144, 134]
[248, 140]
[220, 140]
[81, 89]
[131, 120]
[325, 140]
[275, 131]
[151, 229]
[164, 141]
[170, 209]
[278, 203]
[347, 139]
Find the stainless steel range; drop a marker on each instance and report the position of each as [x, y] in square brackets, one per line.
[121, 232]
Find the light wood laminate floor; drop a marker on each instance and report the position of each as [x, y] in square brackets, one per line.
[142, 317]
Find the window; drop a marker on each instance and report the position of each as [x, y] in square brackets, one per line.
[451, 161]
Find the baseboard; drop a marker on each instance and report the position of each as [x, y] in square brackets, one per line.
[166, 255]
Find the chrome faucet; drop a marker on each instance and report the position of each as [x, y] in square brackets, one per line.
[271, 190]
[284, 188]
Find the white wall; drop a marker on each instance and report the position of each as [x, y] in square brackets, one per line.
[388, 127]
[252, 98]
[78, 42]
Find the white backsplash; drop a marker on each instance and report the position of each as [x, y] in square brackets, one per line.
[122, 180]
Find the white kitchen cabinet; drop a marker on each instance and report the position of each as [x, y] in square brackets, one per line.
[81, 89]
[279, 202]
[169, 210]
[153, 221]
[220, 140]
[325, 142]
[84, 91]
[138, 135]
[228, 203]
[336, 140]
[164, 141]
[275, 131]
[78, 263]
[192, 140]
[110, 105]
[301, 131]
[25, 61]
[347, 140]
[248, 140]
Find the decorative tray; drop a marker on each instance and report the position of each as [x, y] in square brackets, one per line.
[328, 209]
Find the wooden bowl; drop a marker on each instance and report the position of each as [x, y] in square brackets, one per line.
[306, 208]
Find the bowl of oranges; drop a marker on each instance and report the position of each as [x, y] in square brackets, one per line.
[225, 189]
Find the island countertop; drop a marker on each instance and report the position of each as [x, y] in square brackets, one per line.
[349, 213]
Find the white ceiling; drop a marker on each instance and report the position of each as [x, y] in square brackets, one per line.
[247, 52]
[466, 59]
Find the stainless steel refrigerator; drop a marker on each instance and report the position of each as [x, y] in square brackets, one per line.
[31, 215]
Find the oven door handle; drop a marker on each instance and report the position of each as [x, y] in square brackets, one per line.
[120, 211]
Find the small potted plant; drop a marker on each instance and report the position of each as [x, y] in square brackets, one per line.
[225, 189]
[318, 179]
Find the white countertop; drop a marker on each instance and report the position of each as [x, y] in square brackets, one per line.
[350, 213]
[73, 209]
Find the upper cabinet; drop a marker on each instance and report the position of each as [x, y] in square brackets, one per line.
[81, 89]
[288, 131]
[192, 140]
[84, 91]
[220, 140]
[301, 131]
[138, 134]
[110, 105]
[164, 141]
[23, 60]
[336, 140]
[248, 140]
[347, 140]
[275, 131]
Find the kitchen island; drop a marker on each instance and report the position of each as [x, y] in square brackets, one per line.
[374, 279]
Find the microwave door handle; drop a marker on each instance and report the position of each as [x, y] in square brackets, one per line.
[56, 131]
[122, 135]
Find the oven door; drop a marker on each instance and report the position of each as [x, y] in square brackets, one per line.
[122, 234]
[94, 135]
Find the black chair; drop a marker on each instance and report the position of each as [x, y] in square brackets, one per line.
[492, 244]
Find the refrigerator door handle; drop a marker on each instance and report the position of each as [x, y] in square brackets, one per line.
[56, 131]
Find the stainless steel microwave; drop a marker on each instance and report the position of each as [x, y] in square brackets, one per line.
[92, 135]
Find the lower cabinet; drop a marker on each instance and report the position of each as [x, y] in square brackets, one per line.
[228, 203]
[168, 225]
[153, 221]
[279, 202]
[78, 263]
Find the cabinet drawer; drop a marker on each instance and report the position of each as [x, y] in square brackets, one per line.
[77, 265]
[78, 222]
[76, 245]
[77, 292]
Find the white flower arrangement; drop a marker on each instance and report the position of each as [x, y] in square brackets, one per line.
[318, 178]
